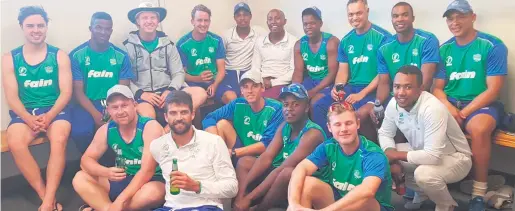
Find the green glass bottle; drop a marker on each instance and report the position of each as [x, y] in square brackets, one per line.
[174, 190]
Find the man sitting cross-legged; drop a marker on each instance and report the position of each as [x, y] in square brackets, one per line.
[263, 181]
[136, 182]
[359, 177]
[254, 119]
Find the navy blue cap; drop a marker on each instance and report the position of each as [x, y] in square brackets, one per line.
[461, 6]
[312, 10]
[242, 5]
[296, 90]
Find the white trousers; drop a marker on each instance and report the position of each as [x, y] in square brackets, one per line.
[430, 181]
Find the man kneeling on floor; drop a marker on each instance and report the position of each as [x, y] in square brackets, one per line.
[195, 163]
[437, 152]
[136, 182]
[263, 181]
[248, 123]
[359, 172]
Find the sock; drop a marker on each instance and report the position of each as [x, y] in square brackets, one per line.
[479, 189]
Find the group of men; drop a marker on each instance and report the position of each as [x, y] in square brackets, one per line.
[262, 146]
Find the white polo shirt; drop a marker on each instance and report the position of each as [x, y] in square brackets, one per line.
[239, 51]
[206, 159]
[429, 127]
[275, 60]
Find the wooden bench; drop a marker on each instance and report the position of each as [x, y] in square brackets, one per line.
[502, 138]
[36, 141]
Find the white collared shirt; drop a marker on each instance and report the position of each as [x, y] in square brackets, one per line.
[206, 159]
[429, 127]
[275, 60]
[239, 51]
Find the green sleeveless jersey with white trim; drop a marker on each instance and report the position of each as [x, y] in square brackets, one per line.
[130, 152]
[38, 85]
[315, 64]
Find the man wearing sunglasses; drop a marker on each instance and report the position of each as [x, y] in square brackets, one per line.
[437, 152]
[247, 124]
[359, 174]
[264, 184]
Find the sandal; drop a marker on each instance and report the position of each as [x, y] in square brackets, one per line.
[56, 207]
[85, 206]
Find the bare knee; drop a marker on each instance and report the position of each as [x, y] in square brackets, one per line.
[198, 95]
[481, 126]
[245, 163]
[310, 184]
[222, 124]
[228, 97]
[153, 193]
[80, 180]
[147, 110]
[285, 175]
[18, 138]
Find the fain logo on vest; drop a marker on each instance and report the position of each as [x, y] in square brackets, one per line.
[37, 84]
[343, 186]
[315, 69]
[206, 60]
[360, 59]
[256, 137]
[464, 75]
[100, 74]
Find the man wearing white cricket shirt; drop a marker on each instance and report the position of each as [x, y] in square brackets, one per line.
[437, 152]
[205, 173]
[239, 44]
[273, 55]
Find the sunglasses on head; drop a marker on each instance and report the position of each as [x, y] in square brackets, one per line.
[345, 105]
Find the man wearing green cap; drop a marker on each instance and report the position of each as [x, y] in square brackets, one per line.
[263, 181]
[472, 73]
[155, 62]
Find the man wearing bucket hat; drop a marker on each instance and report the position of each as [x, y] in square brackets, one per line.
[203, 57]
[239, 42]
[473, 70]
[264, 185]
[156, 62]
[135, 183]
[248, 123]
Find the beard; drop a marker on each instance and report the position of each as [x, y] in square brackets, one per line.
[180, 131]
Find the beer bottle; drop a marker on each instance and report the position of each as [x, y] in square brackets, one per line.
[174, 190]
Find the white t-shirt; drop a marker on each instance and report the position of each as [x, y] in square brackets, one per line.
[239, 51]
[275, 60]
[206, 159]
[429, 127]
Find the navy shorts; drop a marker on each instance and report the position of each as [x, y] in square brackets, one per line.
[232, 80]
[220, 91]
[65, 114]
[494, 109]
[83, 125]
[201, 208]
[337, 197]
[116, 188]
[310, 83]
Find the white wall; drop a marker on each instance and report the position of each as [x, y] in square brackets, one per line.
[70, 19]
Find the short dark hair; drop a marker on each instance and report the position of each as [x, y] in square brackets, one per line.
[412, 70]
[31, 10]
[178, 97]
[202, 8]
[101, 16]
[356, 1]
[403, 3]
